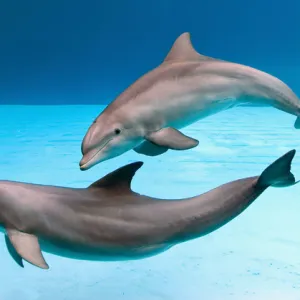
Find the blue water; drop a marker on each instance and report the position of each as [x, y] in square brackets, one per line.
[79, 52]
[256, 256]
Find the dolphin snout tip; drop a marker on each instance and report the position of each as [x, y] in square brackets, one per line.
[83, 164]
[89, 159]
[82, 168]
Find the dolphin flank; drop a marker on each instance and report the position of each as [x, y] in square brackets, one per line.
[108, 221]
[185, 88]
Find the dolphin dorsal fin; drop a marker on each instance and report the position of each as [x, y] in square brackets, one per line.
[118, 180]
[183, 50]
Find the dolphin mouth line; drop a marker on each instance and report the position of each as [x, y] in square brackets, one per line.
[81, 167]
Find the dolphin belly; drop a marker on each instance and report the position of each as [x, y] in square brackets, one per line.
[91, 253]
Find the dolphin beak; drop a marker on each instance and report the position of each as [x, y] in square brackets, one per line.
[83, 166]
[88, 160]
[92, 157]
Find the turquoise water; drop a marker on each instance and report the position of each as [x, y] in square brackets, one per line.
[256, 256]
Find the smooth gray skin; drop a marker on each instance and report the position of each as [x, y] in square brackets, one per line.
[108, 221]
[185, 88]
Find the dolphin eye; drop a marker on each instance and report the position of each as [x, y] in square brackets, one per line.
[117, 131]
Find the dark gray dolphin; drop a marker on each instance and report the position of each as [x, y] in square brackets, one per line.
[185, 88]
[108, 221]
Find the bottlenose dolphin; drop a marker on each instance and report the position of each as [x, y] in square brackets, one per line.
[109, 221]
[185, 88]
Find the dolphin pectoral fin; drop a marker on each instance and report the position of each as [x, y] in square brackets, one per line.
[13, 253]
[25, 246]
[172, 138]
[150, 149]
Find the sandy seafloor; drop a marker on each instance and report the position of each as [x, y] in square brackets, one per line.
[256, 256]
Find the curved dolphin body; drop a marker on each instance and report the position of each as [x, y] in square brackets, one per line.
[108, 221]
[185, 88]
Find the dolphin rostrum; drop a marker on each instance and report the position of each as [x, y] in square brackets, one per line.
[185, 88]
[108, 221]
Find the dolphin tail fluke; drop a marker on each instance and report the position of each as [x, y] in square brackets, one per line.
[297, 123]
[278, 174]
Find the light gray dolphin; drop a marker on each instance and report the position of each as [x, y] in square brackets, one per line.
[185, 88]
[108, 221]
